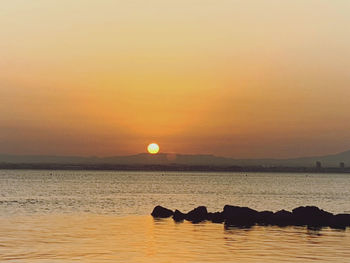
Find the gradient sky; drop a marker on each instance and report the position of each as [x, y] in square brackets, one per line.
[249, 78]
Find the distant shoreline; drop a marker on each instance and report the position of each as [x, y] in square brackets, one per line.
[174, 168]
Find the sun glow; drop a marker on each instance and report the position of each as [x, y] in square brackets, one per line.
[153, 148]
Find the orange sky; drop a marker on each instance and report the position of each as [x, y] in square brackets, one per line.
[252, 78]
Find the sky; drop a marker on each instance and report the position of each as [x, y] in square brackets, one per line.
[243, 79]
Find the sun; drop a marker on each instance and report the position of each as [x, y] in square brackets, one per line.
[153, 148]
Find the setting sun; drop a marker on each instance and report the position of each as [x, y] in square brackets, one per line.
[153, 148]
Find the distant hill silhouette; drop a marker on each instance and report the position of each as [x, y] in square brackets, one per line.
[179, 159]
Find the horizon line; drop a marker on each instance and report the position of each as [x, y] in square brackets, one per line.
[167, 153]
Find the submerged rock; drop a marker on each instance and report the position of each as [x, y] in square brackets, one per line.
[161, 212]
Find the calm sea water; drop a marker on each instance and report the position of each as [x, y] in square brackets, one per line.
[70, 216]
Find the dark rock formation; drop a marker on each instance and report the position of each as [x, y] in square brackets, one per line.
[217, 217]
[282, 218]
[340, 221]
[161, 212]
[236, 216]
[179, 216]
[264, 218]
[311, 216]
[197, 215]
[240, 216]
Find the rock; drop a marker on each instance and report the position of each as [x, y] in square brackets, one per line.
[178, 216]
[240, 216]
[197, 215]
[265, 218]
[283, 218]
[340, 221]
[217, 217]
[312, 216]
[161, 212]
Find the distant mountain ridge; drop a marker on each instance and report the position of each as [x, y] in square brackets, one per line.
[333, 160]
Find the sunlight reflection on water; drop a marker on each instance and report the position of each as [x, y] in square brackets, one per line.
[87, 216]
[101, 238]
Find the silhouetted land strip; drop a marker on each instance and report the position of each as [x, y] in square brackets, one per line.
[175, 167]
[236, 216]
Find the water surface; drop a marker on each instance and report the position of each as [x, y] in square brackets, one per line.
[136, 193]
[70, 216]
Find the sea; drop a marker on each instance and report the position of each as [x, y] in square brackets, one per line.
[104, 216]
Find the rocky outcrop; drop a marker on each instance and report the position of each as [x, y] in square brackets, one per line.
[340, 221]
[197, 215]
[179, 216]
[217, 217]
[264, 218]
[312, 216]
[240, 216]
[282, 218]
[161, 212]
[237, 216]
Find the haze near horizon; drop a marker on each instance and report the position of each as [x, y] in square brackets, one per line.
[242, 79]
